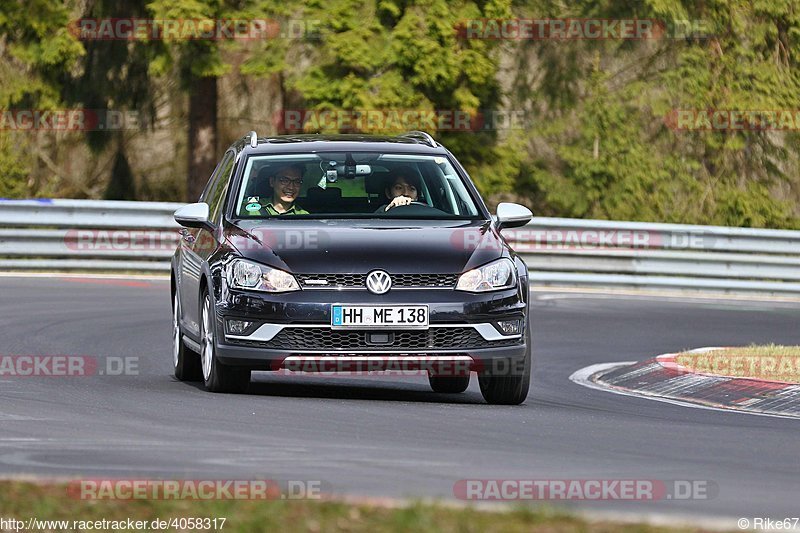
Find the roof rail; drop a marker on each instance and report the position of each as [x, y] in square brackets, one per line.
[420, 135]
[253, 139]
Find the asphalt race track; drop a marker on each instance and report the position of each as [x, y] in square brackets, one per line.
[391, 436]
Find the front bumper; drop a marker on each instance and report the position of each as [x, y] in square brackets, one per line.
[444, 361]
[296, 327]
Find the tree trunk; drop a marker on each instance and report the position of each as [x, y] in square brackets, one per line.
[202, 147]
[122, 185]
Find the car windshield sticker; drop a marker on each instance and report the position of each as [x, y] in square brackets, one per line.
[253, 204]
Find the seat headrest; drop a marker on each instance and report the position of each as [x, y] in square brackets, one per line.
[375, 183]
[264, 173]
[259, 186]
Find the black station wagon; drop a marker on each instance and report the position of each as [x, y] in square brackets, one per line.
[349, 252]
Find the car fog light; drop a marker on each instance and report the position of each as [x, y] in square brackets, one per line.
[510, 327]
[238, 327]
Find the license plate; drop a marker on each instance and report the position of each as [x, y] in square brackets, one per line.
[379, 316]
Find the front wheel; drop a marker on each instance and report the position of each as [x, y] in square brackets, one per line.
[185, 363]
[509, 385]
[217, 376]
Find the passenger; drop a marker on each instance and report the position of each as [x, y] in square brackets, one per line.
[402, 188]
[285, 183]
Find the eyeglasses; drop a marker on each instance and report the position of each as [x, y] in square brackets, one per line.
[286, 180]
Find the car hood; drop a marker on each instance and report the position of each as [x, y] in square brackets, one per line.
[357, 247]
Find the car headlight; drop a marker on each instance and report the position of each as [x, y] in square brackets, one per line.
[252, 276]
[493, 276]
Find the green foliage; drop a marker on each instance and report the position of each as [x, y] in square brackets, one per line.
[195, 58]
[607, 151]
[14, 180]
[114, 74]
[597, 140]
[397, 56]
[36, 51]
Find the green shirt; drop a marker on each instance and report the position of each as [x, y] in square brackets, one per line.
[294, 210]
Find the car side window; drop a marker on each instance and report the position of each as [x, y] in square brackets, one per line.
[218, 186]
[213, 179]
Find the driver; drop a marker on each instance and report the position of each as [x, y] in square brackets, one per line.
[401, 189]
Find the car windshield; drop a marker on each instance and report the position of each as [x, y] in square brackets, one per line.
[352, 185]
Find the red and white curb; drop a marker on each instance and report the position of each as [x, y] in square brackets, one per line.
[662, 379]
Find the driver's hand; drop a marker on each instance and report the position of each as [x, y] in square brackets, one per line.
[398, 201]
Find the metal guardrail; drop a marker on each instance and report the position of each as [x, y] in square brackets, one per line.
[138, 236]
[78, 235]
[573, 252]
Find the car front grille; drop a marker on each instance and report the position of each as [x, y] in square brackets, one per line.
[399, 281]
[437, 338]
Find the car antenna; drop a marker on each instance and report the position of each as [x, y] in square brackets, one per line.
[253, 139]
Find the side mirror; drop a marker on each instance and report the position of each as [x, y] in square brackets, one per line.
[194, 216]
[512, 215]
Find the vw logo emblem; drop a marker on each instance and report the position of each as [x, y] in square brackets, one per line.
[378, 282]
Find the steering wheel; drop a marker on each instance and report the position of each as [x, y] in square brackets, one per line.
[414, 208]
[423, 204]
[412, 203]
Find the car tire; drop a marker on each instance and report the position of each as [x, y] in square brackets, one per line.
[185, 362]
[505, 387]
[448, 384]
[217, 377]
